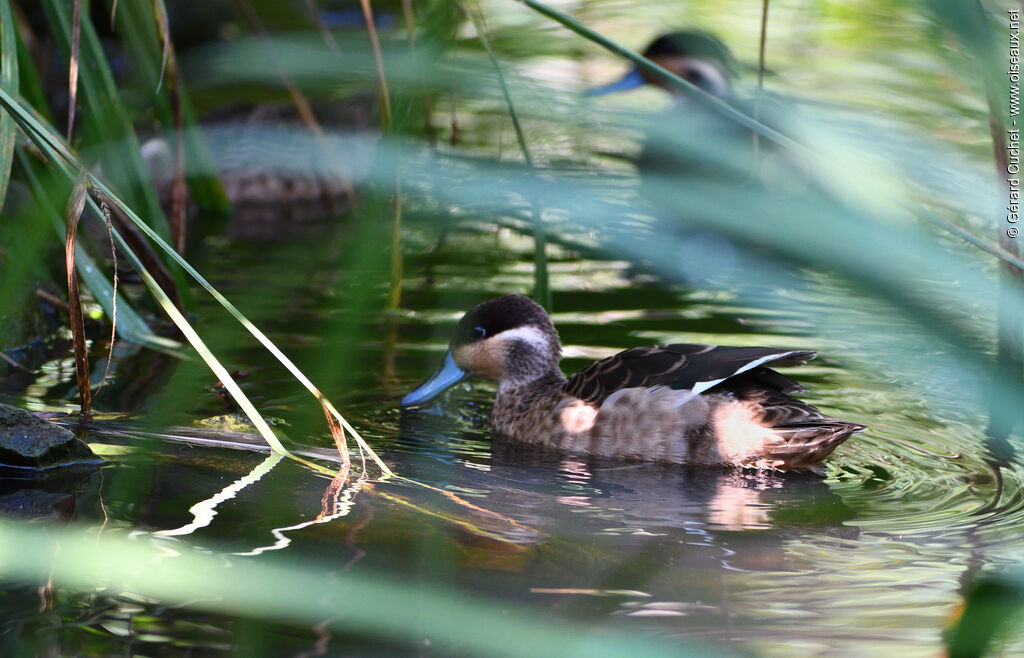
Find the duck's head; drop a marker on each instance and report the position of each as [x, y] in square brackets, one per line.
[697, 57]
[507, 339]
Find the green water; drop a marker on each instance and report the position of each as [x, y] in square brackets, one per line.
[874, 558]
[871, 558]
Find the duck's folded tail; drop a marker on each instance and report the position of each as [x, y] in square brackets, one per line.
[805, 444]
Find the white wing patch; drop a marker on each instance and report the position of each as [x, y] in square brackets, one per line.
[700, 387]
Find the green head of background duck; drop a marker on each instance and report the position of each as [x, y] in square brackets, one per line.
[681, 403]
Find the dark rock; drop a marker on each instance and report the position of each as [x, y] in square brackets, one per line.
[30, 442]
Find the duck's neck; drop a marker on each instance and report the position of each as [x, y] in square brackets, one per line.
[546, 383]
[522, 407]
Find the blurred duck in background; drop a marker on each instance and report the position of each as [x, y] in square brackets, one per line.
[697, 57]
[692, 146]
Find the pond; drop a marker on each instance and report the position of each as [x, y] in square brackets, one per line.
[874, 557]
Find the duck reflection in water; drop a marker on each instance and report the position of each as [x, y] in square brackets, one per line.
[687, 517]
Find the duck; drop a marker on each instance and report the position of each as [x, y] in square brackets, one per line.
[691, 141]
[700, 58]
[682, 403]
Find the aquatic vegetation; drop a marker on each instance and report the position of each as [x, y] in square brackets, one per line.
[871, 224]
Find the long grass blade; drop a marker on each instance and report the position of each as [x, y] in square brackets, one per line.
[162, 299]
[106, 121]
[995, 250]
[204, 352]
[711, 101]
[318, 19]
[164, 27]
[178, 224]
[9, 79]
[145, 252]
[376, 603]
[971, 25]
[378, 58]
[762, 44]
[395, 270]
[542, 287]
[113, 315]
[107, 125]
[252, 329]
[298, 99]
[131, 327]
[1010, 330]
[387, 122]
[76, 203]
[178, 209]
[76, 30]
[48, 142]
[139, 29]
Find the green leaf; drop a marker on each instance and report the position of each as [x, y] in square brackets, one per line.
[379, 604]
[130, 326]
[9, 80]
[137, 27]
[107, 126]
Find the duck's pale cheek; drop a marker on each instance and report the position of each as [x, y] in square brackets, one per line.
[578, 417]
[482, 359]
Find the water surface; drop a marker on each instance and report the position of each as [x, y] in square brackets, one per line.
[873, 557]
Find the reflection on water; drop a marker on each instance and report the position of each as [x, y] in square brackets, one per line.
[871, 559]
[773, 561]
[43, 496]
[873, 555]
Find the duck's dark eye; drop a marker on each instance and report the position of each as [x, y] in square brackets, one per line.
[479, 332]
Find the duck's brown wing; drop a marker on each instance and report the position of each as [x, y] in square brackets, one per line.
[683, 366]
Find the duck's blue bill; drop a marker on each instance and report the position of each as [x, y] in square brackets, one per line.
[632, 80]
[447, 375]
